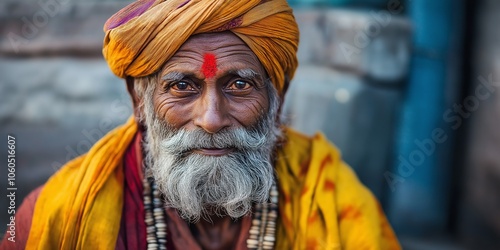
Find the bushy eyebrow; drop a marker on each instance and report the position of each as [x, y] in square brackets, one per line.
[173, 76]
[246, 73]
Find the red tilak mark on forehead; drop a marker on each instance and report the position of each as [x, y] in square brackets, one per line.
[209, 67]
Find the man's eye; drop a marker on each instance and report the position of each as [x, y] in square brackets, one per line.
[239, 85]
[181, 86]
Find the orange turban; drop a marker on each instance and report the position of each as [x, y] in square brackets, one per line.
[141, 37]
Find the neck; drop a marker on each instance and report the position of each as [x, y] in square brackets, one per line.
[216, 232]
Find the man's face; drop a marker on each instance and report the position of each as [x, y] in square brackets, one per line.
[214, 81]
[210, 118]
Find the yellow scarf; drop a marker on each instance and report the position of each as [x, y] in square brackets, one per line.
[322, 204]
[80, 206]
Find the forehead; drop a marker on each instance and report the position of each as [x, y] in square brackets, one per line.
[229, 50]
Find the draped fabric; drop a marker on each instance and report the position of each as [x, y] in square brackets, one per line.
[144, 35]
[322, 204]
[132, 233]
[80, 206]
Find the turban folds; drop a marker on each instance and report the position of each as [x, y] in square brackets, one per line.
[141, 37]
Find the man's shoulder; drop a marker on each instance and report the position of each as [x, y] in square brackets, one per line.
[303, 155]
[24, 214]
[295, 135]
[309, 157]
[299, 143]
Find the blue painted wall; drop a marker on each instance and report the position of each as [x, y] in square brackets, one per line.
[419, 197]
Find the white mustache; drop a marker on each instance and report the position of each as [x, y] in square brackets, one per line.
[240, 139]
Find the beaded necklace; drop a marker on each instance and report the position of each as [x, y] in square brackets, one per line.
[156, 226]
[261, 234]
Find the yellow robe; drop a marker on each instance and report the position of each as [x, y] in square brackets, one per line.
[322, 203]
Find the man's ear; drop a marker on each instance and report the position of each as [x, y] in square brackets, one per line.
[136, 102]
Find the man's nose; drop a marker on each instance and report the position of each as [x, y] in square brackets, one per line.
[212, 114]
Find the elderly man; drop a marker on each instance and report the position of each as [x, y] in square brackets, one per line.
[204, 163]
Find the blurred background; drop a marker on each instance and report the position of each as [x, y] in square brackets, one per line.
[406, 89]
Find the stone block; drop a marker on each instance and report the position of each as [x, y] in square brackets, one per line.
[54, 27]
[375, 44]
[312, 42]
[58, 91]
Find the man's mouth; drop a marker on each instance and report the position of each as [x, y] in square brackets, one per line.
[213, 151]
